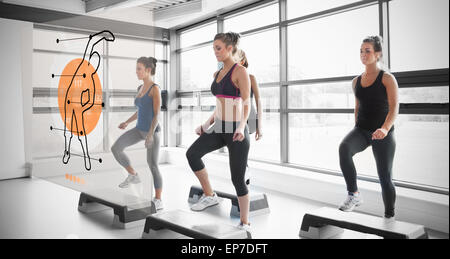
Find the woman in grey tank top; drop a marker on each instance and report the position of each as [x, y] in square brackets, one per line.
[148, 103]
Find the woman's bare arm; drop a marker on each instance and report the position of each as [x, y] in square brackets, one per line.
[156, 96]
[257, 95]
[356, 99]
[391, 85]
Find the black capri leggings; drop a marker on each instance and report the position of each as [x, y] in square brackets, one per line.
[218, 136]
[383, 150]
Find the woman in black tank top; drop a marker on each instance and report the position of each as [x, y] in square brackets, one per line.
[376, 109]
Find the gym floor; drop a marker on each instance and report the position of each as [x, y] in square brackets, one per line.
[49, 210]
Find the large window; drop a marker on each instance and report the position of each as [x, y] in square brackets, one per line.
[314, 138]
[329, 46]
[117, 74]
[265, 67]
[198, 35]
[299, 8]
[422, 150]
[321, 95]
[189, 122]
[198, 67]
[312, 110]
[419, 34]
[250, 20]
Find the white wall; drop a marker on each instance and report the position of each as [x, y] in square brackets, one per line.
[15, 98]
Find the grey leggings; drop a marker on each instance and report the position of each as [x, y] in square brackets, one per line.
[132, 137]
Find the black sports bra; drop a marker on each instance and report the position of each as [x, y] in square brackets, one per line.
[225, 88]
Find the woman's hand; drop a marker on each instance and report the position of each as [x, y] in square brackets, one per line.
[149, 141]
[123, 125]
[258, 134]
[239, 135]
[380, 134]
[199, 130]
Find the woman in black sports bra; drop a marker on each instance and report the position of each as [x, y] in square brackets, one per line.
[226, 127]
[376, 110]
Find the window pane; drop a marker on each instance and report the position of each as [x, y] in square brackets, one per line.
[48, 143]
[208, 101]
[121, 101]
[315, 139]
[299, 8]
[131, 48]
[335, 50]
[46, 40]
[424, 95]
[190, 120]
[324, 95]
[268, 148]
[46, 64]
[253, 19]
[262, 50]
[122, 74]
[159, 51]
[270, 97]
[45, 102]
[197, 68]
[422, 150]
[419, 34]
[159, 75]
[198, 35]
[190, 101]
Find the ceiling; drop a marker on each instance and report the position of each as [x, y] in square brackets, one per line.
[159, 13]
[162, 4]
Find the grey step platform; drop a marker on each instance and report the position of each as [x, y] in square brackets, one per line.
[328, 222]
[190, 224]
[259, 204]
[128, 209]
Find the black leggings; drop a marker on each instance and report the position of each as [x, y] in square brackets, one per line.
[383, 150]
[220, 135]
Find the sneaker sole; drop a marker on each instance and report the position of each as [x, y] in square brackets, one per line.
[123, 187]
[352, 209]
[205, 207]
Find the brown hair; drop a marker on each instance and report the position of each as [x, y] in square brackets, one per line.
[148, 62]
[230, 39]
[243, 58]
[377, 43]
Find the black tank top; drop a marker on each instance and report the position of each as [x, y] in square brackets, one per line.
[373, 104]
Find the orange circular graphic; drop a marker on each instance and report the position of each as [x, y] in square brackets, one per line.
[80, 97]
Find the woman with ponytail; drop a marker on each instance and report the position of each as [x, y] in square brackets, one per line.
[227, 126]
[376, 109]
[148, 103]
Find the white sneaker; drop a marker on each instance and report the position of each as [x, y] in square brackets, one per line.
[131, 179]
[158, 204]
[351, 203]
[245, 227]
[388, 220]
[206, 202]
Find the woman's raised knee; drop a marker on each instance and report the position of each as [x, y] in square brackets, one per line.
[344, 149]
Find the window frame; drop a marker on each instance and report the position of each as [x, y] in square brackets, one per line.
[407, 79]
